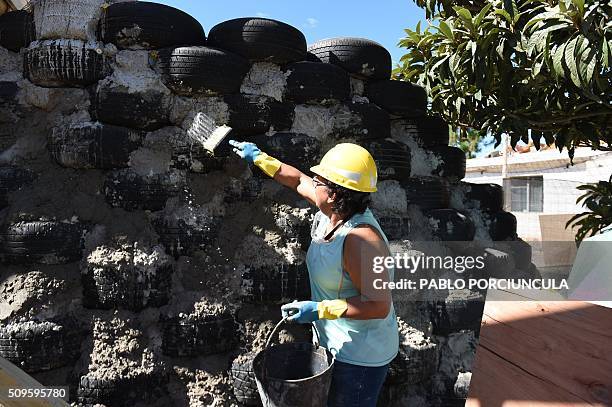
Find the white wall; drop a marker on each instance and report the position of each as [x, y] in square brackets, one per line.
[560, 183]
[560, 195]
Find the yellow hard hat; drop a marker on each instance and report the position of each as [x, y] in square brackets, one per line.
[350, 166]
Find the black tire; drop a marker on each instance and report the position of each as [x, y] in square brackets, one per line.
[201, 70]
[489, 197]
[45, 242]
[56, 19]
[498, 264]
[255, 114]
[188, 154]
[426, 131]
[125, 284]
[275, 284]
[243, 381]
[8, 100]
[314, 82]
[246, 191]
[462, 310]
[395, 228]
[427, 192]
[197, 159]
[398, 97]
[145, 111]
[531, 272]
[522, 252]
[64, 63]
[181, 237]
[8, 137]
[360, 57]
[11, 112]
[453, 226]
[16, 30]
[452, 162]
[310, 57]
[415, 361]
[37, 346]
[375, 123]
[13, 179]
[392, 159]
[122, 391]
[192, 335]
[502, 226]
[259, 39]
[145, 25]
[295, 149]
[93, 145]
[130, 191]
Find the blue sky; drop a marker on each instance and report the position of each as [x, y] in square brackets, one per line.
[317, 19]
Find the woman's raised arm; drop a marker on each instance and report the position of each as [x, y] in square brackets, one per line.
[282, 173]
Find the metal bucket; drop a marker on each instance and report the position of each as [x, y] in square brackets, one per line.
[293, 374]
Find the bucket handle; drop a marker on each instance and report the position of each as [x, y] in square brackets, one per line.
[282, 321]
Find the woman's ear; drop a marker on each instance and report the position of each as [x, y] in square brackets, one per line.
[331, 197]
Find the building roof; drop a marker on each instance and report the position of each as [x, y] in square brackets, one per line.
[534, 160]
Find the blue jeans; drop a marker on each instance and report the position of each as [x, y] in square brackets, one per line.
[355, 386]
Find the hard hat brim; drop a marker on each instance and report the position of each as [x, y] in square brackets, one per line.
[322, 171]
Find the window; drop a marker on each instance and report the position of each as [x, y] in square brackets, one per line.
[526, 194]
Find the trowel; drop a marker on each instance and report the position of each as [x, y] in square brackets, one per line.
[205, 131]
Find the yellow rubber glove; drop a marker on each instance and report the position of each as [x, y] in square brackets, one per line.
[332, 309]
[269, 165]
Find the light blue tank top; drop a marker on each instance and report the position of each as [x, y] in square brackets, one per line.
[372, 342]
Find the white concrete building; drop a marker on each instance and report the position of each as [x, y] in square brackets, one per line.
[540, 187]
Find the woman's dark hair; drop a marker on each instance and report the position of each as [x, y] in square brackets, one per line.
[348, 202]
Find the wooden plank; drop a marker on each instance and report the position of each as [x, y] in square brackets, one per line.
[496, 383]
[574, 323]
[555, 349]
[583, 311]
[11, 377]
[580, 315]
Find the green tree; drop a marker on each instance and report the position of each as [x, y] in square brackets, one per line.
[598, 200]
[527, 67]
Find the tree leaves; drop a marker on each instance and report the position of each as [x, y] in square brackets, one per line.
[481, 15]
[606, 51]
[580, 5]
[505, 15]
[570, 60]
[446, 30]
[510, 66]
[598, 199]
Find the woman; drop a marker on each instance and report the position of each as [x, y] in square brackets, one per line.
[361, 332]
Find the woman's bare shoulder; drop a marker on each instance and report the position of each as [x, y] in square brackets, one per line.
[365, 231]
[360, 235]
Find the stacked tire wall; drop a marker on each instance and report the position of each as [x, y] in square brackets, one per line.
[136, 267]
